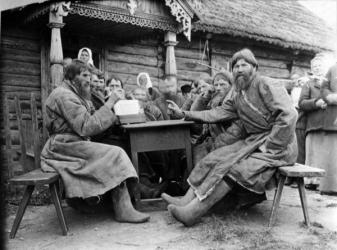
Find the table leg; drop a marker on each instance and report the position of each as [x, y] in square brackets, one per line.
[188, 149]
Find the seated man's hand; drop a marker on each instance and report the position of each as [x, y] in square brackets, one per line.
[175, 110]
[112, 100]
[120, 93]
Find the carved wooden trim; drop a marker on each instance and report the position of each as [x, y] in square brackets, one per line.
[182, 15]
[123, 16]
[115, 15]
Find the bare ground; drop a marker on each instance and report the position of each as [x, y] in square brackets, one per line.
[242, 229]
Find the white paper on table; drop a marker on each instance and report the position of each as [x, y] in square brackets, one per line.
[127, 107]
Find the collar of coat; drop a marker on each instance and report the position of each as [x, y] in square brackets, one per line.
[70, 85]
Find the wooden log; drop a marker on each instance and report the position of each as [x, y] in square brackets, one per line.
[20, 80]
[191, 65]
[127, 68]
[188, 53]
[19, 44]
[133, 59]
[190, 76]
[23, 95]
[9, 88]
[133, 50]
[20, 55]
[274, 72]
[20, 68]
[302, 71]
[20, 34]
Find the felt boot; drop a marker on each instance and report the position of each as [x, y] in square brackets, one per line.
[147, 192]
[189, 214]
[187, 198]
[124, 211]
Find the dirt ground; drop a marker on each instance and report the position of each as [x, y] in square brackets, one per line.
[241, 229]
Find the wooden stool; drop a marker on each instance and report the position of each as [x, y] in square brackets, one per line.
[298, 172]
[32, 179]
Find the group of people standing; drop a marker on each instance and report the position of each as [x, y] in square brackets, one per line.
[245, 129]
[315, 99]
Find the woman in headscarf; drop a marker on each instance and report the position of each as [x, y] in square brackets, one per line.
[144, 81]
[319, 100]
[85, 55]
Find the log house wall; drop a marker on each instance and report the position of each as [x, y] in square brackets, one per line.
[20, 73]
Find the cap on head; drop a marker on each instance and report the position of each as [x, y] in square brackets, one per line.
[246, 55]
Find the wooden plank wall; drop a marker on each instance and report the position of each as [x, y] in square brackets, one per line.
[273, 62]
[127, 60]
[188, 54]
[20, 72]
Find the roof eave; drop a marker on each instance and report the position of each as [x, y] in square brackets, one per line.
[272, 40]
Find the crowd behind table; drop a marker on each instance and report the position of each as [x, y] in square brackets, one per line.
[243, 121]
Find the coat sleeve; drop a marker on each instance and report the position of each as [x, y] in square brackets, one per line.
[278, 103]
[80, 119]
[222, 113]
[200, 103]
[306, 103]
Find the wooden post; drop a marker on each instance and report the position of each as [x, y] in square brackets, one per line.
[170, 64]
[56, 14]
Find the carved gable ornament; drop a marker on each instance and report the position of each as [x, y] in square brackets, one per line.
[183, 14]
[132, 6]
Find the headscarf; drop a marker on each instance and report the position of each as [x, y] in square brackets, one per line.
[90, 61]
[246, 55]
[148, 80]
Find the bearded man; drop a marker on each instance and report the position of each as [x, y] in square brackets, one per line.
[88, 169]
[269, 119]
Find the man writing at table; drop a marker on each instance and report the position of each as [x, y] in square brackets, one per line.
[88, 169]
[265, 109]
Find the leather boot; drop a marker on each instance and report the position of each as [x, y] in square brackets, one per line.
[189, 214]
[124, 211]
[183, 201]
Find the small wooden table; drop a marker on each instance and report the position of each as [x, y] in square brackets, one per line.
[158, 136]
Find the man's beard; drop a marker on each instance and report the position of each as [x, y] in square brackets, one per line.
[242, 81]
[169, 95]
[83, 91]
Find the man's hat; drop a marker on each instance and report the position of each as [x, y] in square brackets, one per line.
[246, 55]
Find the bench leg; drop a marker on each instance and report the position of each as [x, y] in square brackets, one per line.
[59, 211]
[276, 201]
[301, 189]
[21, 210]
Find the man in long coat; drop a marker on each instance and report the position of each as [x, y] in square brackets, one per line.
[88, 169]
[269, 119]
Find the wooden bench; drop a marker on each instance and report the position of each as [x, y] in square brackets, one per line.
[31, 180]
[35, 177]
[298, 172]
